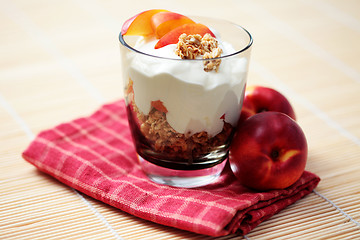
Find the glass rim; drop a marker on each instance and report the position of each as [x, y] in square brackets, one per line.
[249, 44]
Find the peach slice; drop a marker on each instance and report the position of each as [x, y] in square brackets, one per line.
[140, 24]
[164, 22]
[172, 37]
[159, 105]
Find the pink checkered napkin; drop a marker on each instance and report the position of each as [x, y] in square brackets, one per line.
[96, 156]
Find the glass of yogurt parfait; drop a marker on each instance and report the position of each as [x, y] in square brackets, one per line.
[184, 96]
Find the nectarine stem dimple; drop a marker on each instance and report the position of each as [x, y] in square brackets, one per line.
[262, 110]
[275, 154]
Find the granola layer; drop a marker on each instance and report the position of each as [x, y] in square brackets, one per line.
[163, 139]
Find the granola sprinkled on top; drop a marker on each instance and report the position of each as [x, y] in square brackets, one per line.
[191, 46]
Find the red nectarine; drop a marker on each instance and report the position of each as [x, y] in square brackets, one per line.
[259, 99]
[269, 151]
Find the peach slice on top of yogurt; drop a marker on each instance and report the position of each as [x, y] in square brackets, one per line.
[140, 24]
[164, 25]
[172, 37]
[164, 22]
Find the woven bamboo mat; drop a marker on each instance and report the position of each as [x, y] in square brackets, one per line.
[60, 60]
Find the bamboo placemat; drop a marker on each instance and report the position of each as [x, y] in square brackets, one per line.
[60, 60]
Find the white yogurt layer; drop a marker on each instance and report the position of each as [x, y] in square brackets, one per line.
[196, 100]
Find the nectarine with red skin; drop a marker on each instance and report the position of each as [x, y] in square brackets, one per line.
[269, 151]
[259, 99]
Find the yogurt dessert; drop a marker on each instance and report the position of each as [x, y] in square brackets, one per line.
[184, 87]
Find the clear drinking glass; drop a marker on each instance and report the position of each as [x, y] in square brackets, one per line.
[183, 118]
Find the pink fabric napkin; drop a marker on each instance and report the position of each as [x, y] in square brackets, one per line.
[96, 156]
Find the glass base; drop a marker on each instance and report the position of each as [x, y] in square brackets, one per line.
[182, 178]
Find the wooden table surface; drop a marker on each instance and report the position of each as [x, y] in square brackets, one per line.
[60, 60]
